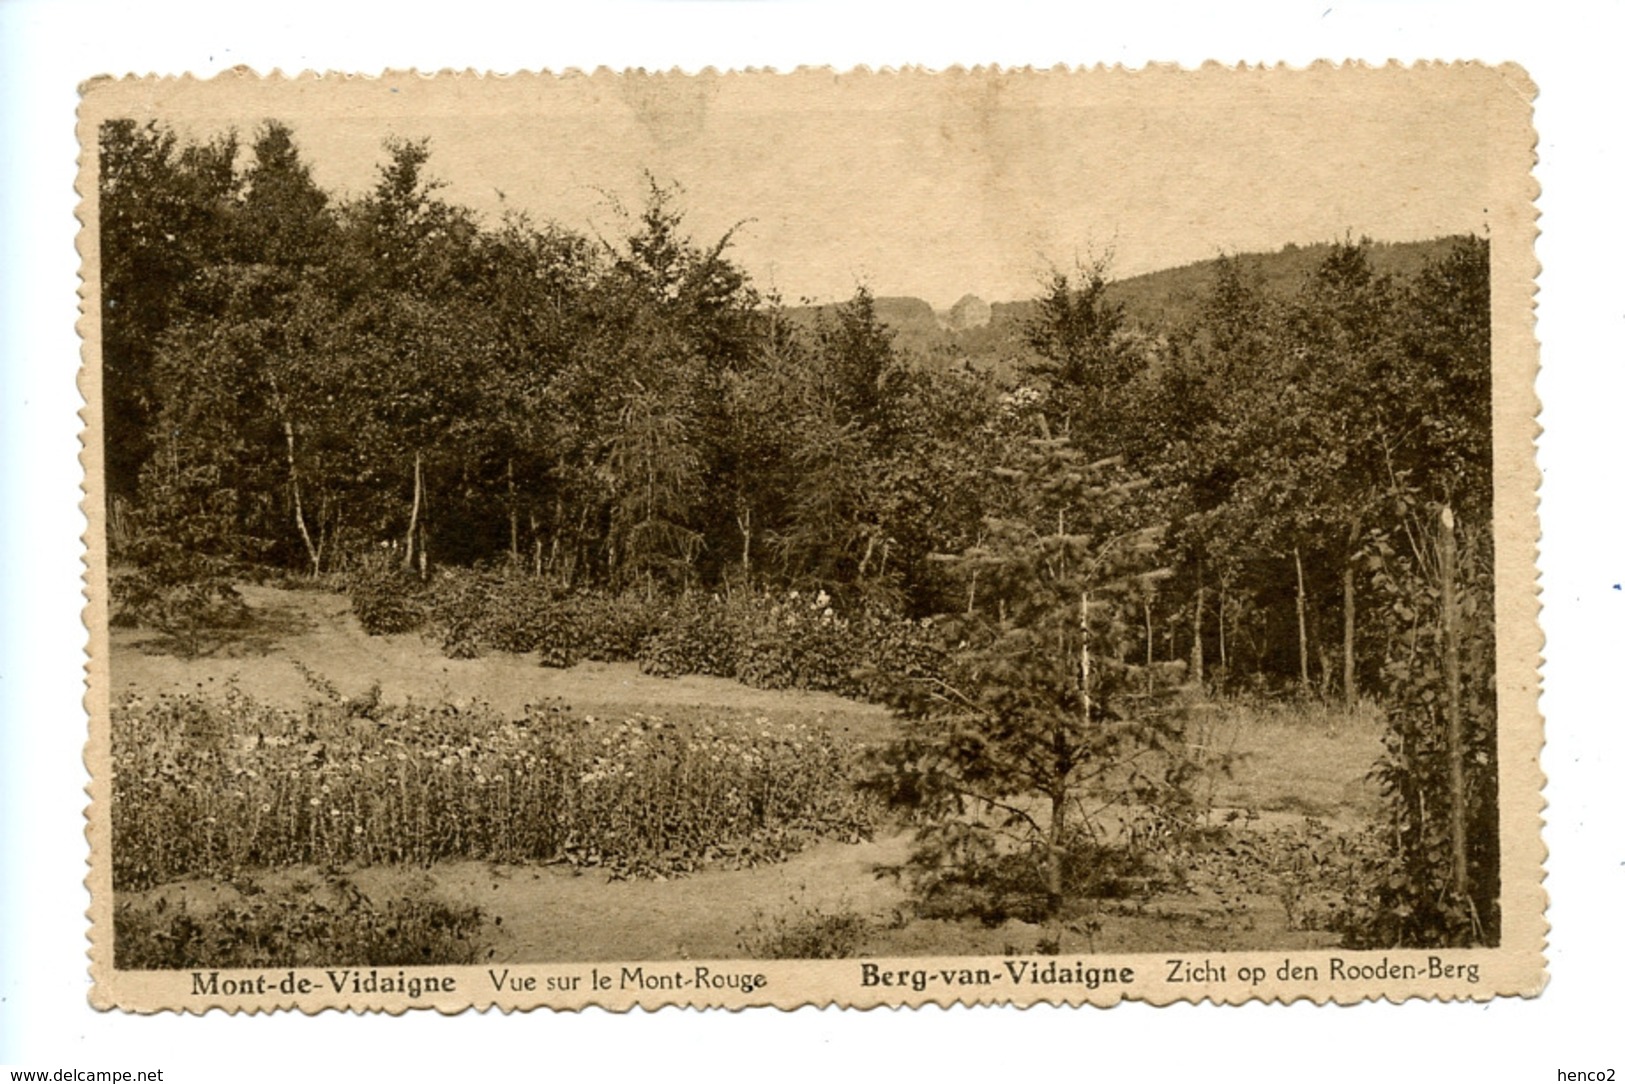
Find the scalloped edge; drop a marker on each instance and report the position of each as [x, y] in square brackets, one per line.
[1516, 968]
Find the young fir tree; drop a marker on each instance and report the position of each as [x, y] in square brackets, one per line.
[1040, 705]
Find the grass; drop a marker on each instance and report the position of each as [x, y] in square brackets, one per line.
[805, 931]
[1301, 757]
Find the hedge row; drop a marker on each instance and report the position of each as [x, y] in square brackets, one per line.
[769, 640]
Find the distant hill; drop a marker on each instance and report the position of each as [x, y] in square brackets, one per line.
[974, 331]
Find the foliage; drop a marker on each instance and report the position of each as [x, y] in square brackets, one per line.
[1038, 704]
[180, 582]
[793, 641]
[511, 610]
[385, 598]
[1408, 897]
[627, 413]
[806, 933]
[302, 926]
[206, 787]
[700, 634]
[958, 872]
[1311, 869]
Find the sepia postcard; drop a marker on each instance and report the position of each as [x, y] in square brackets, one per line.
[825, 538]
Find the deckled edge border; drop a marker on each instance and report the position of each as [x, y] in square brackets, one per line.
[1515, 351]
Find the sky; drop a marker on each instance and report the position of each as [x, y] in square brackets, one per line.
[928, 186]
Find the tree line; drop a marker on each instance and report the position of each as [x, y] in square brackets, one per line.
[307, 382]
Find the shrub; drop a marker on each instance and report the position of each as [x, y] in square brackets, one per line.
[1312, 869]
[385, 598]
[812, 934]
[298, 927]
[611, 628]
[770, 641]
[215, 787]
[508, 610]
[699, 634]
[792, 641]
[182, 557]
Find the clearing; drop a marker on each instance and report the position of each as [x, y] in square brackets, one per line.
[1287, 768]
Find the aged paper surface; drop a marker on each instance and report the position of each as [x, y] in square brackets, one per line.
[658, 539]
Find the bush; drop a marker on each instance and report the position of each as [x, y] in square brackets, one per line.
[1408, 897]
[182, 558]
[299, 927]
[611, 628]
[811, 934]
[191, 602]
[1312, 869]
[700, 634]
[206, 787]
[508, 610]
[385, 598]
[770, 640]
[792, 641]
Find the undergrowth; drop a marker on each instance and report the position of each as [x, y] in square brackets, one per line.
[304, 925]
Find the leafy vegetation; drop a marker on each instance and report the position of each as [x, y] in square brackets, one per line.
[302, 926]
[806, 933]
[519, 438]
[207, 787]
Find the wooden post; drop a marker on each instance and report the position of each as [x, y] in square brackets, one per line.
[1452, 679]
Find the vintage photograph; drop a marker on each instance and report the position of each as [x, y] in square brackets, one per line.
[879, 537]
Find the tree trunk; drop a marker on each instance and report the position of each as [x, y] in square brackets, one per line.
[1148, 645]
[1054, 885]
[1303, 628]
[1197, 661]
[299, 505]
[417, 505]
[970, 598]
[513, 518]
[1083, 653]
[744, 534]
[1452, 680]
[1350, 693]
[1224, 656]
[868, 553]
